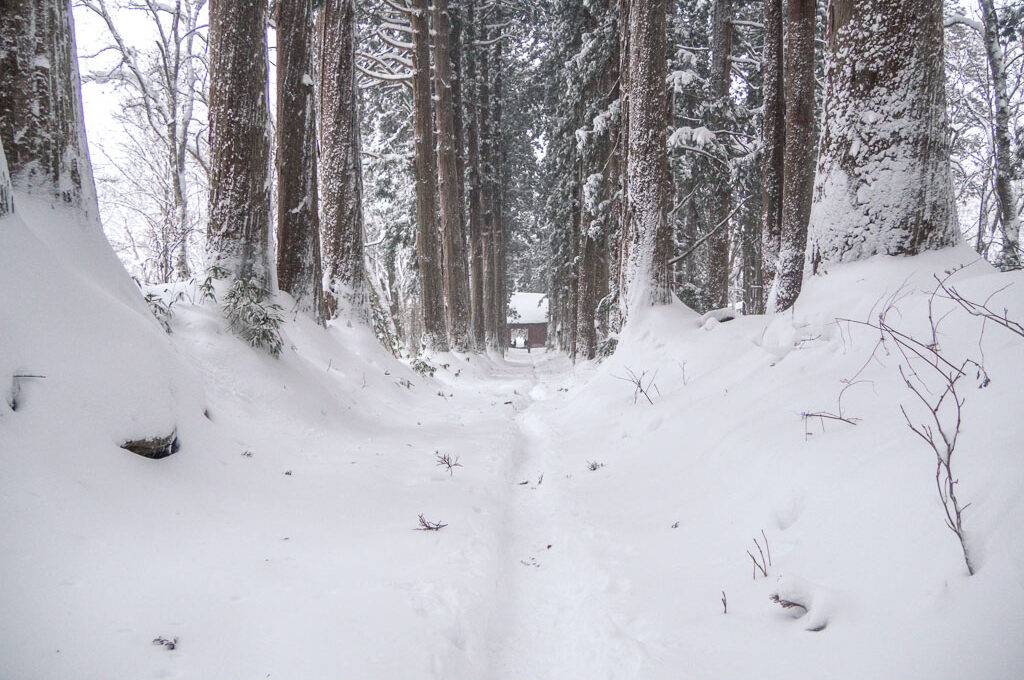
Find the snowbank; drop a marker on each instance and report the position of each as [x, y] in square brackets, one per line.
[850, 512]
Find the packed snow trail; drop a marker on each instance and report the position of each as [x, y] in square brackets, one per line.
[545, 612]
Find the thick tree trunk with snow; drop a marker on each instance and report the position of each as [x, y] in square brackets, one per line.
[487, 189]
[476, 271]
[721, 192]
[773, 139]
[428, 248]
[238, 235]
[456, 12]
[623, 252]
[298, 220]
[646, 275]
[456, 281]
[883, 180]
[798, 176]
[6, 190]
[499, 339]
[42, 128]
[1010, 257]
[597, 210]
[340, 168]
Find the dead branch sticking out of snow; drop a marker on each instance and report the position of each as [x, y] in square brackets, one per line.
[427, 525]
[785, 604]
[765, 561]
[639, 386]
[979, 309]
[935, 382]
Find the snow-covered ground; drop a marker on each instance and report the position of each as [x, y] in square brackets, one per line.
[279, 541]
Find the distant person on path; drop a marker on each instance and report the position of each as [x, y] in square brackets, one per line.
[527, 343]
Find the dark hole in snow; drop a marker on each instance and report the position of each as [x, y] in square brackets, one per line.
[154, 447]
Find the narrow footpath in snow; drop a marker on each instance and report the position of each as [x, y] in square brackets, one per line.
[546, 610]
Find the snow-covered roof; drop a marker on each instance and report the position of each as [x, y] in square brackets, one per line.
[530, 307]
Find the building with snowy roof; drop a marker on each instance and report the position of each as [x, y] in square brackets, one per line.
[528, 320]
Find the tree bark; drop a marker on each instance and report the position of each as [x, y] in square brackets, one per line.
[456, 281]
[798, 182]
[428, 248]
[497, 167]
[1009, 257]
[340, 167]
[883, 181]
[474, 193]
[773, 138]
[298, 220]
[486, 186]
[6, 190]
[238, 235]
[721, 192]
[624, 237]
[647, 279]
[42, 127]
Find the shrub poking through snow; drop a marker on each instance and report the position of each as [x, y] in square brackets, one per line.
[593, 465]
[423, 367]
[445, 460]
[935, 381]
[162, 310]
[252, 317]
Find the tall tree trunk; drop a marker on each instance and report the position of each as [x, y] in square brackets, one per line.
[647, 278]
[798, 182]
[622, 254]
[428, 248]
[1010, 256]
[298, 220]
[601, 163]
[340, 167]
[42, 128]
[721, 192]
[475, 195]
[486, 185]
[238, 235]
[497, 166]
[883, 180]
[6, 190]
[456, 12]
[456, 281]
[773, 138]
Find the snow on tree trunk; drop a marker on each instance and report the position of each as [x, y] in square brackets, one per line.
[456, 281]
[456, 11]
[298, 220]
[42, 127]
[340, 168]
[6, 191]
[486, 184]
[798, 175]
[773, 138]
[499, 298]
[597, 190]
[476, 273]
[1009, 257]
[623, 251]
[646, 276]
[883, 181]
[238, 235]
[721, 192]
[428, 250]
